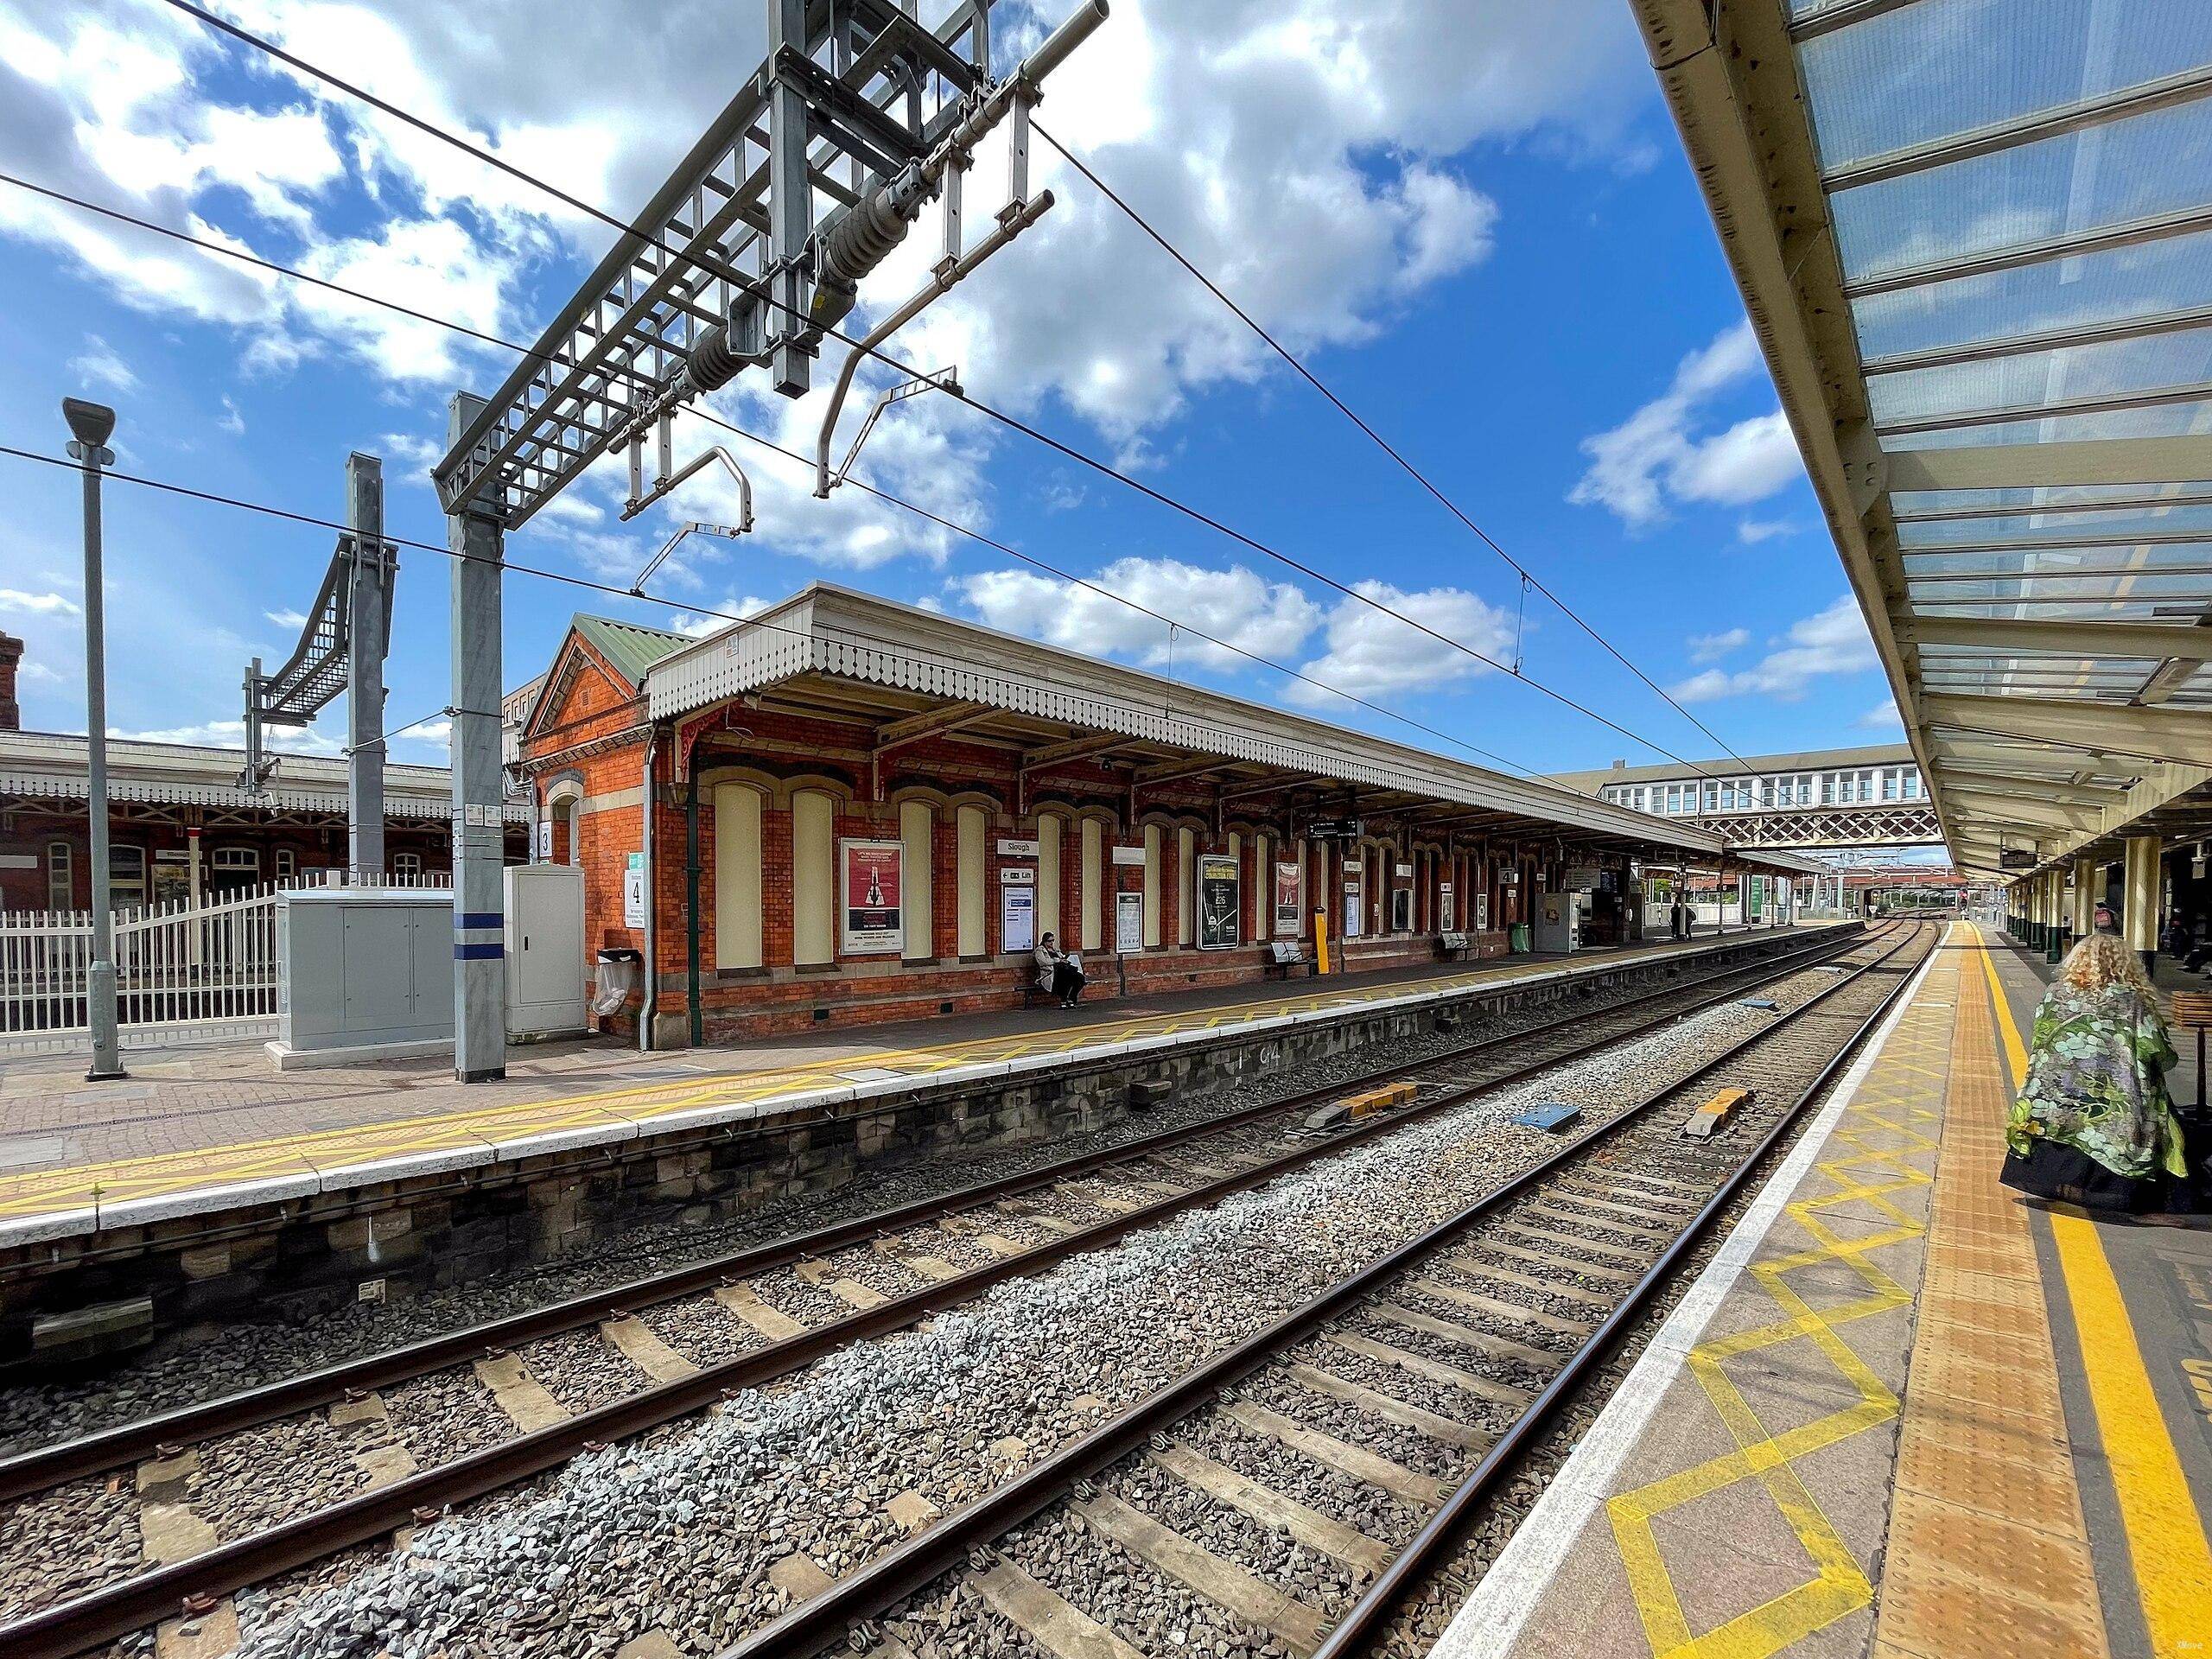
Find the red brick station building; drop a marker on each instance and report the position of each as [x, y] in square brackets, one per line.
[864, 812]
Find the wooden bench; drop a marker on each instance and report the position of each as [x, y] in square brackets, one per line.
[1281, 958]
[1455, 947]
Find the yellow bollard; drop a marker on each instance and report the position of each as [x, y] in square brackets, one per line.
[1320, 941]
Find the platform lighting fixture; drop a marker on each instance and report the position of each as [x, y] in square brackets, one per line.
[91, 425]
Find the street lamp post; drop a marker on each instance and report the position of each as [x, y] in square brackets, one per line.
[91, 425]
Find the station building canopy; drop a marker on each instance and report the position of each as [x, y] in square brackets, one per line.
[907, 673]
[1975, 239]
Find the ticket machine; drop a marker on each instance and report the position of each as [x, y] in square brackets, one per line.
[1559, 921]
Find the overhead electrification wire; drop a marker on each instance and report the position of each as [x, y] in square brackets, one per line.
[1529, 578]
[1012, 422]
[713, 419]
[888, 648]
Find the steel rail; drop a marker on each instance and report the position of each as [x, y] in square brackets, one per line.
[1363, 1622]
[134, 1604]
[828, 1618]
[48, 1466]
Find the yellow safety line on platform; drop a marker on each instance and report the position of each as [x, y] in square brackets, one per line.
[1865, 1159]
[2166, 1533]
[76, 1186]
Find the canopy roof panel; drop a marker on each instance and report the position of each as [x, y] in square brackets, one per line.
[1975, 237]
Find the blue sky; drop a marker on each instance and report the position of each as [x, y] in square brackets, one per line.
[1474, 220]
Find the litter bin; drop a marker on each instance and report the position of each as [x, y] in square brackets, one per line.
[1516, 938]
[622, 976]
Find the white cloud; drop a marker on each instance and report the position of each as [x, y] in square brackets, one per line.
[410, 448]
[287, 618]
[1271, 620]
[1656, 454]
[231, 734]
[699, 624]
[1832, 641]
[1882, 716]
[1752, 531]
[99, 364]
[1371, 653]
[16, 601]
[1711, 648]
[230, 421]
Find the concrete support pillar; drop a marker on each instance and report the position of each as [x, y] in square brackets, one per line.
[480, 984]
[2054, 885]
[2139, 918]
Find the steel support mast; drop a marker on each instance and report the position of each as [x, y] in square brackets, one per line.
[480, 983]
[369, 606]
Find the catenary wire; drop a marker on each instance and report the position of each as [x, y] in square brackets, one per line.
[886, 647]
[1529, 579]
[713, 419]
[1012, 422]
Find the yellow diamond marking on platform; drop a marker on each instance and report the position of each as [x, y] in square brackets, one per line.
[1840, 1586]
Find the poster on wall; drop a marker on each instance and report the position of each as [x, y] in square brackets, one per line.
[1355, 902]
[1401, 910]
[1128, 923]
[1445, 916]
[1481, 913]
[1286, 900]
[869, 874]
[633, 892]
[1017, 917]
[1217, 902]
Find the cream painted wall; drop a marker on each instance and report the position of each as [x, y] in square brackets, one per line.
[1094, 841]
[917, 822]
[1048, 877]
[1152, 839]
[814, 867]
[970, 824]
[737, 876]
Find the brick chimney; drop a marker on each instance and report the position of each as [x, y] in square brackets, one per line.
[11, 712]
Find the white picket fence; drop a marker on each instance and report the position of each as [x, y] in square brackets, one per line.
[185, 973]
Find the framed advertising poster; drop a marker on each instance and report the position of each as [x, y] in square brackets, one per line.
[1128, 923]
[868, 873]
[1445, 916]
[1401, 910]
[1354, 904]
[1217, 902]
[633, 891]
[1286, 901]
[1017, 918]
[1481, 913]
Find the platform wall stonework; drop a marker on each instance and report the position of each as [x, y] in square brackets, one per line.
[181, 1280]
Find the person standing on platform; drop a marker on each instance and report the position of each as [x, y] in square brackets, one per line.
[2092, 1125]
[2107, 923]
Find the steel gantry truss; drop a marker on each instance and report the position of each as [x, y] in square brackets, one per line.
[2015, 467]
[749, 256]
[342, 647]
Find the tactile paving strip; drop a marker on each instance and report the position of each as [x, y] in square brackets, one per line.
[1986, 1529]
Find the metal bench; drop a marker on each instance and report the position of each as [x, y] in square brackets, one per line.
[1282, 958]
[1455, 947]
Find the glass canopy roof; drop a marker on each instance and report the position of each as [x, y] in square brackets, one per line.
[2020, 198]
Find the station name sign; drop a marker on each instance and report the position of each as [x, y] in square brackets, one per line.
[1336, 829]
[2015, 858]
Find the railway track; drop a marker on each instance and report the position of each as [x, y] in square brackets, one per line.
[532, 1390]
[1461, 1344]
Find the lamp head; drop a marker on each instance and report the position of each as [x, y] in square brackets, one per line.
[92, 424]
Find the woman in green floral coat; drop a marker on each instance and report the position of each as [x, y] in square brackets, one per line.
[2093, 1126]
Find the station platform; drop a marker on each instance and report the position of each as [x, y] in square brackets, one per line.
[192, 1131]
[1901, 1411]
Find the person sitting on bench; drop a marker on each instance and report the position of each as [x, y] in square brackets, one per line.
[1069, 980]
